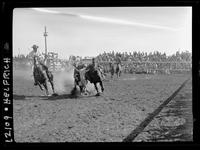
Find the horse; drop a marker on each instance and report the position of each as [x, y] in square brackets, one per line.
[115, 68]
[118, 69]
[84, 75]
[39, 71]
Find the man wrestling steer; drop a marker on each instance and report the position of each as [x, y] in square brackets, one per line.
[90, 73]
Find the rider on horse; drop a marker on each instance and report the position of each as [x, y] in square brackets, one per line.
[118, 65]
[38, 61]
[118, 59]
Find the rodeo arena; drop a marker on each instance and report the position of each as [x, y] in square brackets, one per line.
[113, 97]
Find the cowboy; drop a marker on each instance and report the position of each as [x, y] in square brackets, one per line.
[35, 53]
[95, 66]
[38, 61]
[91, 67]
[118, 59]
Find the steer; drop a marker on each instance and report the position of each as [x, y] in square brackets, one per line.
[83, 75]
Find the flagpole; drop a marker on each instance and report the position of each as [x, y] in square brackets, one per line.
[45, 35]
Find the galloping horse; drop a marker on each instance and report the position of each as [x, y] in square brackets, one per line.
[39, 71]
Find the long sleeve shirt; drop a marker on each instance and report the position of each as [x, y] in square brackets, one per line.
[38, 57]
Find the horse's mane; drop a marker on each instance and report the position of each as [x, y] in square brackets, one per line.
[43, 66]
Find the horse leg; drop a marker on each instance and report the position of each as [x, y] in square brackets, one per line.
[95, 85]
[49, 76]
[46, 88]
[117, 72]
[40, 86]
[52, 86]
[101, 84]
[112, 74]
[34, 77]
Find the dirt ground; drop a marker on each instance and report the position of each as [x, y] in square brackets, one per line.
[108, 118]
[174, 122]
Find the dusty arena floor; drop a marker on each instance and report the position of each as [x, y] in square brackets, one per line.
[125, 103]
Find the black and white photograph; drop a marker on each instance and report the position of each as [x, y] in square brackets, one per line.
[102, 74]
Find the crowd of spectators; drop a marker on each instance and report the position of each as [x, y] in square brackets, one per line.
[133, 61]
[149, 62]
[144, 56]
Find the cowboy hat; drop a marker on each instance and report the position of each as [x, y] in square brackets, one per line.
[35, 46]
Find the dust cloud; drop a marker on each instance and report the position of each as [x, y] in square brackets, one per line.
[63, 81]
[24, 73]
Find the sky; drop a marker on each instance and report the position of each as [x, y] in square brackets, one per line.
[89, 31]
